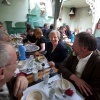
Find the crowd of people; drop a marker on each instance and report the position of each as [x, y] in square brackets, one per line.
[81, 67]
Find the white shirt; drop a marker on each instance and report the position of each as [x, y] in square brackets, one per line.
[81, 65]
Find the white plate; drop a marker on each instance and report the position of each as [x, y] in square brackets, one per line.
[57, 91]
[43, 94]
[31, 48]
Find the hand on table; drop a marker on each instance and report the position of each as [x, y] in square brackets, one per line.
[82, 85]
[20, 85]
[51, 63]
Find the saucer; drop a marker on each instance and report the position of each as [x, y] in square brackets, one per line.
[43, 95]
[58, 92]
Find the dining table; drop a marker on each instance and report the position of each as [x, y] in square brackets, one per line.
[45, 88]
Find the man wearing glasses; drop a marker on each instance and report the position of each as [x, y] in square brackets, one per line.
[8, 66]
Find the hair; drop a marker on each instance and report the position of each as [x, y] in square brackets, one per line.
[38, 32]
[61, 27]
[53, 32]
[45, 24]
[51, 26]
[1, 23]
[87, 40]
[5, 57]
[89, 30]
[2, 33]
[68, 28]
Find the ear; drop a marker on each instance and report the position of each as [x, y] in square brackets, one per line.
[2, 73]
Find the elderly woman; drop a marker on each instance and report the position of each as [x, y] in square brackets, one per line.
[41, 40]
[56, 52]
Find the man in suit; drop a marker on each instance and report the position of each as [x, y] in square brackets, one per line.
[82, 67]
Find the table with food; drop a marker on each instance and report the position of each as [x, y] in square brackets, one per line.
[55, 88]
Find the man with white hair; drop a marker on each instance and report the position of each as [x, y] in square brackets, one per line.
[8, 58]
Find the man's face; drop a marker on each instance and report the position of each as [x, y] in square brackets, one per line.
[10, 68]
[54, 39]
[76, 48]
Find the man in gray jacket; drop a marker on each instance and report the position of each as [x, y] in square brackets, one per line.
[82, 67]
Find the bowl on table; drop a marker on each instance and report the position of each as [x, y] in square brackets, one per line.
[63, 84]
[34, 95]
[21, 63]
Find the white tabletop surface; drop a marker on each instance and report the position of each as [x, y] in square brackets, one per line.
[28, 69]
[45, 88]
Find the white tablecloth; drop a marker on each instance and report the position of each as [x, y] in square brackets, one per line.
[28, 69]
[45, 88]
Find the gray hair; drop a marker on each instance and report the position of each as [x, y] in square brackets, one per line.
[53, 32]
[5, 57]
[87, 40]
[2, 33]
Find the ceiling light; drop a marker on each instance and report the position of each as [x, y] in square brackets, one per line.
[71, 12]
[5, 2]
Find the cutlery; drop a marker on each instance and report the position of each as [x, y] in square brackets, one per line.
[63, 94]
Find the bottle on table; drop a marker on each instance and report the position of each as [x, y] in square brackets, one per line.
[22, 55]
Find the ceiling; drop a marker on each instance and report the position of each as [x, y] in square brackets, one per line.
[75, 3]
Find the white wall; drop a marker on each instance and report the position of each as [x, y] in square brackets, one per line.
[81, 20]
[16, 12]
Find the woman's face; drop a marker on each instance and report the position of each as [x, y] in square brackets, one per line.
[54, 38]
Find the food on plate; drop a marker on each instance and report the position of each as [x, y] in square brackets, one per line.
[37, 60]
[21, 63]
[41, 57]
[27, 49]
[36, 54]
[69, 92]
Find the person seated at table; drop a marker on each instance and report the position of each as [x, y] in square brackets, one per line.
[89, 30]
[68, 32]
[82, 67]
[56, 51]
[21, 78]
[30, 37]
[41, 40]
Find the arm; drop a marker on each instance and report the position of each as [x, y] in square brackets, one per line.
[42, 47]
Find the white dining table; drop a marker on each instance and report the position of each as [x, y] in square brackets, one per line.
[45, 88]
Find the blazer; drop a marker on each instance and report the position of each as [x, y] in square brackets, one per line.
[91, 73]
[58, 55]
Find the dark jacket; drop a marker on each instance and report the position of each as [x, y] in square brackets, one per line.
[91, 73]
[58, 55]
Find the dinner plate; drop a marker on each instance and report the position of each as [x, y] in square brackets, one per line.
[57, 91]
[31, 48]
[43, 95]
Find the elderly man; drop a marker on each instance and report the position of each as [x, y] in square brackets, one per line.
[21, 82]
[82, 67]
